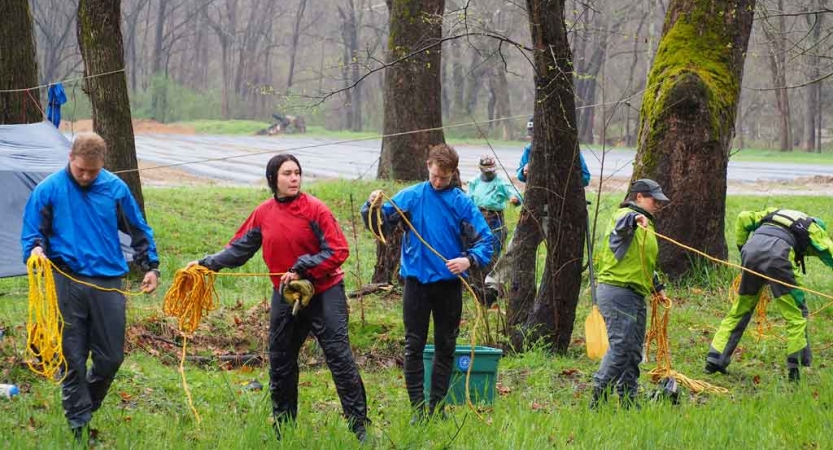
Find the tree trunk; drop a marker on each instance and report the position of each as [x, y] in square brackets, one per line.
[778, 67]
[413, 101]
[387, 258]
[412, 89]
[100, 41]
[18, 64]
[296, 36]
[504, 103]
[474, 82]
[587, 84]
[630, 138]
[159, 83]
[351, 70]
[813, 91]
[458, 84]
[554, 184]
[687, 123]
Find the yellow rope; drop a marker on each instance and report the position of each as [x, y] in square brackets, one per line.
[375, 208]
[698, 386]
[45, 326]
[762, 324]
[192, 294]
[739, 267]
[658, 332]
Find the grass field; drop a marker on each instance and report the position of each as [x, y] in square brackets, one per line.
[543, 397]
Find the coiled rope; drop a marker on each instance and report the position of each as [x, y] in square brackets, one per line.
[191, 296]
[658, 333]
[45, 324]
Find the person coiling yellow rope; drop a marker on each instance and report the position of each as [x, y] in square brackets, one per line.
[658, 333]
[192, 295]
[45, 324]
[375, 211]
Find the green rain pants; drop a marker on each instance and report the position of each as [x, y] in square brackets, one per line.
[769, 251]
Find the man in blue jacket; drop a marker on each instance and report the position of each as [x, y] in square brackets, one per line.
[450, 222]
[73, 217]
[503, 267]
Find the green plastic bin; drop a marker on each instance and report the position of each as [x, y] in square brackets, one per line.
[483, 374]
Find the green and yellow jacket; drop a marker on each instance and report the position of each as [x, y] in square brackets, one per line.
[629, 257]
[810, 232]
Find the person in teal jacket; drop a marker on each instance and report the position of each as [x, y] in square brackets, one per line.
[780, 240]
[626, 276]
[503, 267]
[490, 192]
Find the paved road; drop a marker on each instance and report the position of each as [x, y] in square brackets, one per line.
[327, 158]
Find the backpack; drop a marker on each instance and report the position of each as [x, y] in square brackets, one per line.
[800, 229]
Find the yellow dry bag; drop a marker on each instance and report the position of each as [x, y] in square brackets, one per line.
[595, 334]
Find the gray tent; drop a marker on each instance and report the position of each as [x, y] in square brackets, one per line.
[28, 153]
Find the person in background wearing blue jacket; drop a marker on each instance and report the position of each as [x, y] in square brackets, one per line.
[73, 217]
[503, 267]
[450, 223]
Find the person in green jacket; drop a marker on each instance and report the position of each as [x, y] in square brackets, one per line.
[780, 240]
[626, 276]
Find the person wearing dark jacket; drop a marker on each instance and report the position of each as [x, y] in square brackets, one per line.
[451, 223]
[772, 242]
[300, 238]
[73, 217]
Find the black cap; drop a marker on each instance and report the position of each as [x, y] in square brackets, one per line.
[648, 187]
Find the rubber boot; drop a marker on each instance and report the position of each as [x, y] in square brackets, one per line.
[599, 398]
[794, 375]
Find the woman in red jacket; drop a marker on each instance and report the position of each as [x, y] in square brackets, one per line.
[300, 236]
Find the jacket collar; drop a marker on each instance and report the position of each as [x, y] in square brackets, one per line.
[287, 199]
[636, 208]
[75, 182]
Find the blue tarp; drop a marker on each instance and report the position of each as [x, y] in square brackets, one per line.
[28, 153]
[55, 98]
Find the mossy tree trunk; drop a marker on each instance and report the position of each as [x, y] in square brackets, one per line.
[687, 122]
[100, 41]
[554, 186]
[413, 101]
[18, 64]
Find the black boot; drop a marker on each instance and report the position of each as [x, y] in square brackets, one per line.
[437, 411]
[794, 375]
[360, 430]
[418, 416]
[712, 368]
[599, 397]
[280, 423]
[80, 435]
[627, 399]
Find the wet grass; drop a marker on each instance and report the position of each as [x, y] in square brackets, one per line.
[543, 398]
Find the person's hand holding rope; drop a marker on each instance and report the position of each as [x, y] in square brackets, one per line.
[151, 281]
[458, 265]
[289, 277]
[375, 198]
[38, 251]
